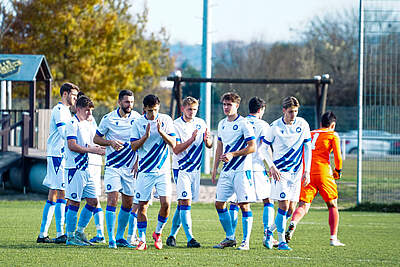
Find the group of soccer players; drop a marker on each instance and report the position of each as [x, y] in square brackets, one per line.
[137, 161]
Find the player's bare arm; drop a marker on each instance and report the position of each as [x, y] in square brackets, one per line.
[135, 145]
[101, 141]
[250, 148]
[180, 147]
[170, 140]
[73, 146]
[217, 156]
[207, 139]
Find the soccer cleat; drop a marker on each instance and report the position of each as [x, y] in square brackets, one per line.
[134, 241]
[226, 243]
[122, 243]
[73, 241]
[336, 243]
[82, 237]
[141, 246]
[244, 246]
[112, 244]
[171, 242]
[192, 243]
[97, 239]
[289, 233]
[275, 242]
[268, 239]
[157, 240]
[283, 246]
[45, 239]
[62, 239]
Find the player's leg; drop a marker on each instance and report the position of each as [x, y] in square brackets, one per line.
[247, 224]
[224, 191]
[132, 229]
[176, 219]
[47, 216]
[98, 214]
[233, 212]
[123, 219]
[59, 214]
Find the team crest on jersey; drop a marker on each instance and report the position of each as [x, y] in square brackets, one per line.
[74, 195]
[235, 127]
[298, 129]
[108, 187]
[198, 126]
[282, 195]
[184, 194]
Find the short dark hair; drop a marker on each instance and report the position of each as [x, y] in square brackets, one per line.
[327, 118]
[80, 93]
[231, 96]
[289, 102]
[67, 87]
[150, 101]
[123, 93]
[255, 104]
[84, 102]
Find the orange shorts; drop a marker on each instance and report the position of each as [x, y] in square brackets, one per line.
[322, 183]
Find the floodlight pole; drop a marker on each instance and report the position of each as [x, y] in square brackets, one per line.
[360, 101]
[205, 88]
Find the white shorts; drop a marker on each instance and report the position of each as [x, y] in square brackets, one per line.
[95, 174]
[262, 185]
[146, 181]
[119, 180]
[55, 173]
[79, 185]
[240, 183]
[287, 188]
[188, 185]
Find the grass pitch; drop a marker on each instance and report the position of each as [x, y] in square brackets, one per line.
[371, 238]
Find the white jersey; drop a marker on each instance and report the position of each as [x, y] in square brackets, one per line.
[115, 127]
[190, 159]
[234, 136]
[94, 159]
[287, 141]
[260, 128]
[60, 115]
[78, 130]
[154, 153]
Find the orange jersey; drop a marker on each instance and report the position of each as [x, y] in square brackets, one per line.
[323, 142]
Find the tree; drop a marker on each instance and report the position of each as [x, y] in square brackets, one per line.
[96, 44]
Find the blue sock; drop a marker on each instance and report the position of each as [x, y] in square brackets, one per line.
[132, 224]
[110, 222]
[142, 226]
[123, 218]
[161, 223]
[71, 219]
[186, 220]
[233, 212]
[98, 216]
[226, 223]
[280, 222]
[59, 213]
[268, 215]
[176, 222]
[47, 216]
[247, 222]
[84, 217]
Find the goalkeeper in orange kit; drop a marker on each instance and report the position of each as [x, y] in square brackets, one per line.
[324, 141]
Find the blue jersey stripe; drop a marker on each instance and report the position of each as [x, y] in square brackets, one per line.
[125, 159]
[99, 133]
[292, 160]
[153, 150]
[227, 149]
[131, 158]
[115, 153]
[122, 154]
[239, 162]
[163, 159]
[284, 157]
[196, 165]
[72, 137]
[60, 124]
[152, 162]
[192, 159]
[186, 157]
[228, 165]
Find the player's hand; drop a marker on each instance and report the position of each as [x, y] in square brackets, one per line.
[305, 178]
[99, 150]
[117, 145]
[226, 157]
[213, 178]
[207, 136]
[194, 134]
[159, 127]
[274, 173]
[337, 174]
[147, 133]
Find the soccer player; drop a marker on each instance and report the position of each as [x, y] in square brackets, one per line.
[290, 138]
[324, 141]
[151, 136]
[114, 133]
[54, 179]
[191, 136]
[236, 141]
[80, 185]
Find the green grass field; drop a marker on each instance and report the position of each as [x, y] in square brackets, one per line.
[371, 238]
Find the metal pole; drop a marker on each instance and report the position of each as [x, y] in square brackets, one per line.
[9, 107]
[205, 88]
[3, 104]
[360, 101]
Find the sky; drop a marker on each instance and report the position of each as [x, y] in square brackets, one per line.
[244, 20]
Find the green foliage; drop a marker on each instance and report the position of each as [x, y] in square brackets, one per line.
[96, 44]
[365, 235]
